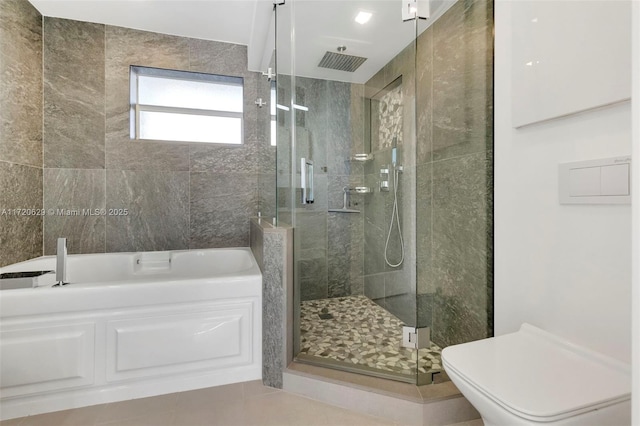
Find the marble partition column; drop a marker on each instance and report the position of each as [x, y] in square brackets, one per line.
[272, 248]
[20, 130]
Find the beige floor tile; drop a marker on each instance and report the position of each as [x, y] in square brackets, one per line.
[476, 422]
[11, 422]
[256, 388]
[245, 404]
[123, 410]
[341, 417]
[272, 409]
[212, 414]
[76, 417]
[47, 419]
[203, 397]
[151, 419]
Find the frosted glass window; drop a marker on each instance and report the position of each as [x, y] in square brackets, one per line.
[166, 126]
[189, 94]
[184, 106]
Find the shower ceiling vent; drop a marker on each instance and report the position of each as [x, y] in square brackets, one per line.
[341, 62]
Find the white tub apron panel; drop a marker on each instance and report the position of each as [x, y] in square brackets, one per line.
[137, 325]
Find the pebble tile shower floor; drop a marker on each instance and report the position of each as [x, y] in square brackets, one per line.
[360, 332]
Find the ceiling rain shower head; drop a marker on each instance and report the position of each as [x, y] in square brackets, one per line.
[341, 62]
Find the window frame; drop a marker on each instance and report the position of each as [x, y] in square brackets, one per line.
[135, 71]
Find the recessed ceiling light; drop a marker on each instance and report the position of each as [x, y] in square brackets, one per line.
[363, 17]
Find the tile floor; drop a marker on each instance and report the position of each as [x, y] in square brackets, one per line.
[245, 404]
[361, 333]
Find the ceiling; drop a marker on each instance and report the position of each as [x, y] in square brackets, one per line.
[320, 25]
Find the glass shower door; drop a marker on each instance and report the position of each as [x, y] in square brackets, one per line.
[349, 160]
[384, 159]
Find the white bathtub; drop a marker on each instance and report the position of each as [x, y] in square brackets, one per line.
[129, 325]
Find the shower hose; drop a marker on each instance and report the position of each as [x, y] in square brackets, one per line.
[394, 214]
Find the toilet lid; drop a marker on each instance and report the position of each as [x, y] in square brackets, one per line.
[539, 376]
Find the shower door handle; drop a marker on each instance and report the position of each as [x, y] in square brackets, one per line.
[306, 180]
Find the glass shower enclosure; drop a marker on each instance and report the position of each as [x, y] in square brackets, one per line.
[383, 169]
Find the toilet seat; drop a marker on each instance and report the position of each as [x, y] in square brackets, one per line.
[538, 376]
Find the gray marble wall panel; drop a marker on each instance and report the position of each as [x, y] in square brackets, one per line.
[463, 79]
[21, 83]
[125, 47]
[453, 101]
[454, 181]
[375, 84]
[391, 126]
[267, 194]
[374, 286]
[218, 58]
[20, 130]
[221, 206]
[158, 210]
[79, 192]
[312, 230]
[424, 224]
[20, 234]
[256, 242]
[424, 96]
[175, 192]
[225, 158]
[74, 94]
[339, 254]
[356, 253]
[460, 233]
[358, 122]
[339, 143]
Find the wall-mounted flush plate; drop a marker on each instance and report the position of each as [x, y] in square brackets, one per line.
[602, 181]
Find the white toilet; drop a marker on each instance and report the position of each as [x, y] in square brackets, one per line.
[532, 377]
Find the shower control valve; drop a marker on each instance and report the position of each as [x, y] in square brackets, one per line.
[384, 179]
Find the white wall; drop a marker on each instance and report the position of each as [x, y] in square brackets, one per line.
[564, 268]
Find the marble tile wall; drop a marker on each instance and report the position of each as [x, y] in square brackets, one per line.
[329, 246]
[177, 195]
[74, 94]
[75, 189]
[20, 235]
[454, 173]
[20, 130]
[449, 222]
[392, 91]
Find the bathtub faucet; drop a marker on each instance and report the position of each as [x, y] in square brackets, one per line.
[61, 262]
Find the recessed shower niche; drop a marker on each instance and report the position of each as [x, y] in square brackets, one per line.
[396, 245]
